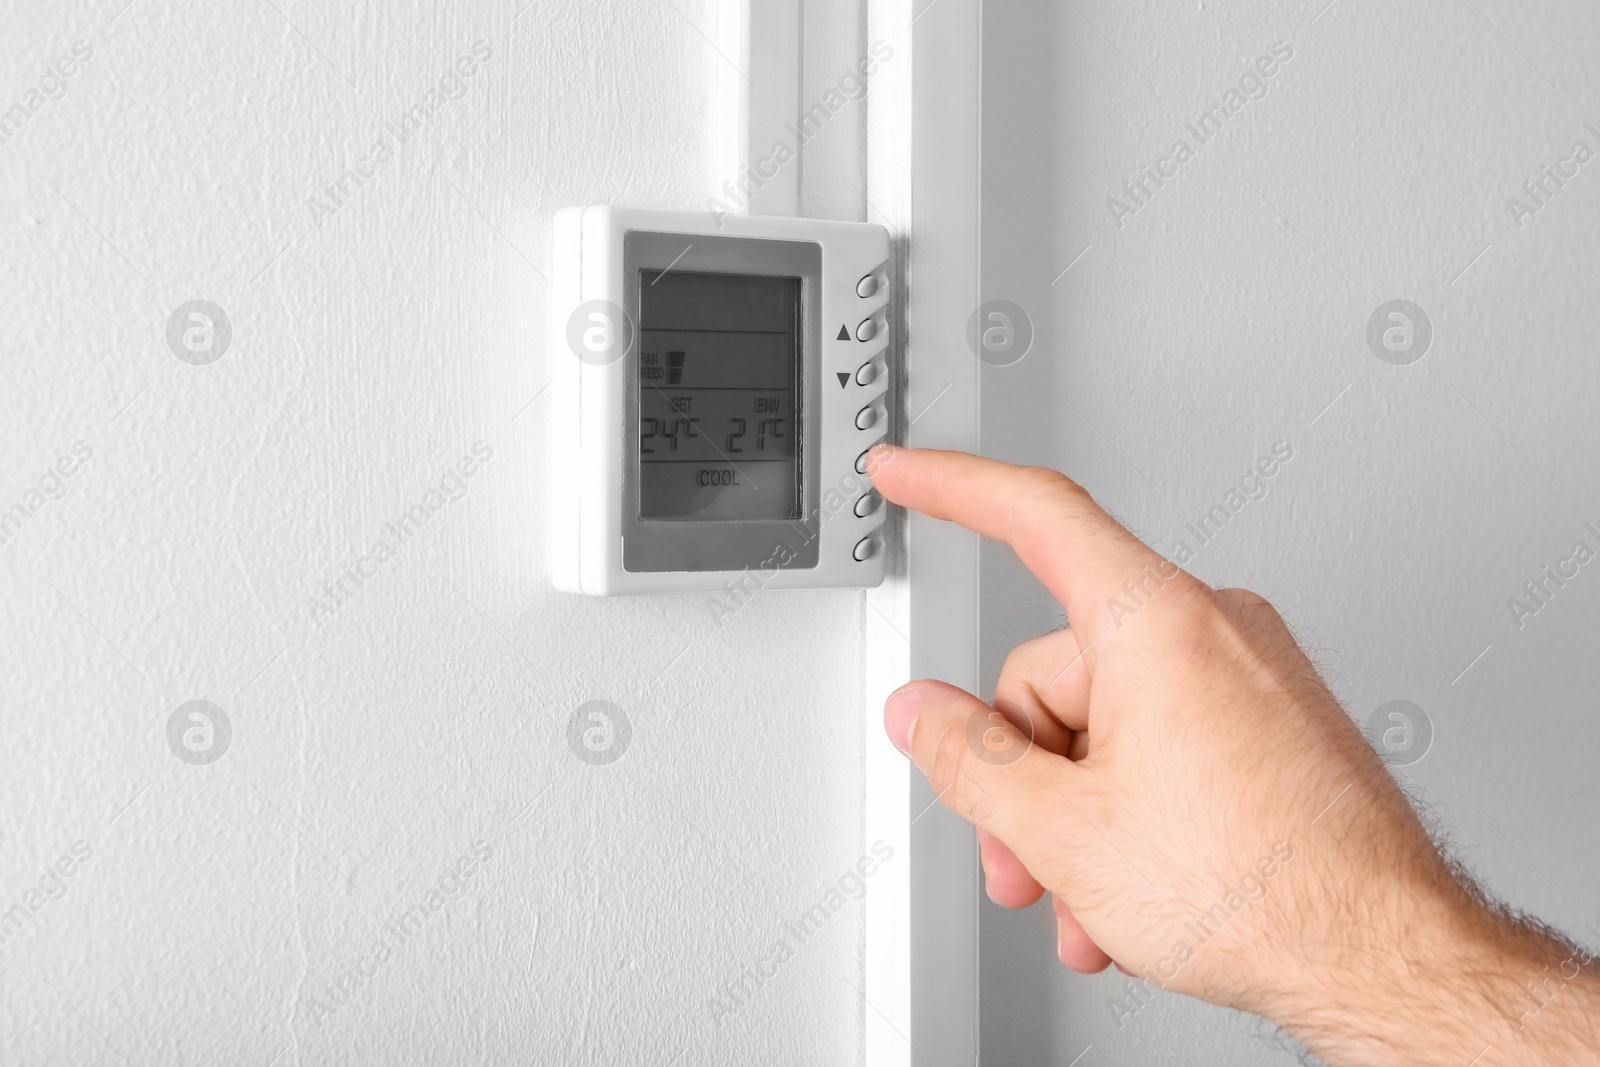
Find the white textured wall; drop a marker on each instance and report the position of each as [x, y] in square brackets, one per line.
[372, 347]
[1229, 312]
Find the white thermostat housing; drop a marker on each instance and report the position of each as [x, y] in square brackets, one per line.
[716, 383]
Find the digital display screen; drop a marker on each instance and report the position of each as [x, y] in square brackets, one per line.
[719, 396]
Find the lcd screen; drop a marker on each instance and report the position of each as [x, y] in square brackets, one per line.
[719, 396]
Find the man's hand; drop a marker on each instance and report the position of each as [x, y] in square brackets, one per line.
[1173, 770]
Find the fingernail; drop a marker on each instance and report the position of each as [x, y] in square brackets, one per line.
[879, 454]
[900, 716]
[1061, 942]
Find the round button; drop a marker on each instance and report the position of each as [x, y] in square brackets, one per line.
[861, 462]
[866, 418]
[867, 373]
[867, 504]
[867, 330]
[867, 286]
[864, 549]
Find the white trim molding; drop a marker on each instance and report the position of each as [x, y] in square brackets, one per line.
[759, 93]
[921, 941]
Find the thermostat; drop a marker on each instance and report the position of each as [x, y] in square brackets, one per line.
[716, 384]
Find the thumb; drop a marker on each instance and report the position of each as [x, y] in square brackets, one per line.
[983, 766]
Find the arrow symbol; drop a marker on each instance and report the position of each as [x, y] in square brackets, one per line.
[844, 378]
[844, 334]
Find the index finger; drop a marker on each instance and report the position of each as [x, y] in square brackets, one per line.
[1081, 554]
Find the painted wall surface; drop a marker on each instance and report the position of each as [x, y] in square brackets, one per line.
[1179, 341]
[290, 532]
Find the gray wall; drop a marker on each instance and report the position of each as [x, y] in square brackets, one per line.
[1229, 313]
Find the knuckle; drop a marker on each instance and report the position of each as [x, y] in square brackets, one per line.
[1018, 713]
[1043, 487]
[1048, 480]
[1193, 601]
[1045, 499]
[1253, 611]
[1188, 621]
[1246, 599]
[1014, 669]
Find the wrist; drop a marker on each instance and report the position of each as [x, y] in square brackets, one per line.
[1445, 981]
